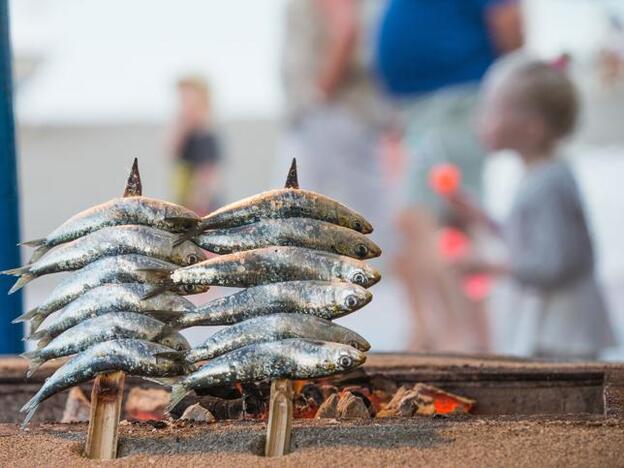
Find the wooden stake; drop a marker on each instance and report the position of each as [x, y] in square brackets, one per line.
[279, 425]
[106, 398]
[108, 389]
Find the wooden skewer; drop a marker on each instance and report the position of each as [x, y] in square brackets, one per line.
[108, 389]
[279, 425]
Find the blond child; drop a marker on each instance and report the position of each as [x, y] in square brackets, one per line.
[529, 106]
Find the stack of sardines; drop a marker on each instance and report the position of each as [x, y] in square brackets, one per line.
[300, 256]
[98, 313]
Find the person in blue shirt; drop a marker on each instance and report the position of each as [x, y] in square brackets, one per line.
[430, 56]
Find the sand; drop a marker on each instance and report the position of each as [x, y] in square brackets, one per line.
[440, 442]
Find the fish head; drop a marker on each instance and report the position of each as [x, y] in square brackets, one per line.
[359, 247]
[362, 274]
[351, 297]
[188, 253]
[346, 336]
[347, 357]
[175, 340]
[352, 220]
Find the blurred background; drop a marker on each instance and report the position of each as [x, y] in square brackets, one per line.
[214, 98]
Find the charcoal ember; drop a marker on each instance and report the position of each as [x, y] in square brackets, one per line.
[227, 392]
[197, 413]
[77, 407]
[146, 404]
[329, 408]
[425, 400]
[254, 404]
[351, 406]
[304, 407]
[314, 392]
[223, 409]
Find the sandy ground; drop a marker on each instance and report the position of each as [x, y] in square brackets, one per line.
[468, 442]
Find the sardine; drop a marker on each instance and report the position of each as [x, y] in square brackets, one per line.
[274, 265]
[135, 357]
[108, 298]
[292, 358]
[274, 328]
[118, 269]
[324, 299]
[118, 211]
[107, 242]
[282, 203]
[112, 326]
[296, 232]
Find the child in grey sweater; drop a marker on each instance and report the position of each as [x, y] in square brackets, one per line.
[529, 106]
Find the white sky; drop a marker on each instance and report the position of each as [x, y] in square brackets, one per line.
[117, 59]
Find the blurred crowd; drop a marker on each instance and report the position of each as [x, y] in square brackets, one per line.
[392, 108]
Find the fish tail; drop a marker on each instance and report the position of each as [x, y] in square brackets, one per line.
[38, 253]
[183, 222]
[160, 273]
[36, 322]
[33, 243]
[166, 316]
[188, 235]
[178, 392]
[156, 291]
[32, 313]
[21, 282]
[42, 336]
[16, 271]
[36, 361]
[30, 408]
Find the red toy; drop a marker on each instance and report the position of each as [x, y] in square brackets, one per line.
[445, 179]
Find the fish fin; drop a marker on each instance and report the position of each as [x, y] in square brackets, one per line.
[32, 313]
[17, 271]
[178, 392]
[38, 253]
[35, 361]
[21, 282]
[292, 179]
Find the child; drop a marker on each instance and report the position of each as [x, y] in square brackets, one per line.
[195, 147]
[529, 106]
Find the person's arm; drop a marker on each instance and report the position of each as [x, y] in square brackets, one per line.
[504, 21]
[340, 19]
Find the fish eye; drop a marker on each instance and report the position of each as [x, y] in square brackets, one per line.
[351, 301]
[357, 225]
[354, 344]
[192, 258]
[361, 250]
[189, 288]
[345, 362]
[359, 278]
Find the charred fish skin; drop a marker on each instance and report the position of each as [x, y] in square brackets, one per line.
[125, 297]
[295, 232]
[112, 241]
[291, 358]
[274, 328]
[324, 299]
[136, 357]
[124, 211]
[275, 265]
[286, 203]
[108, 270]
[112, 326]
